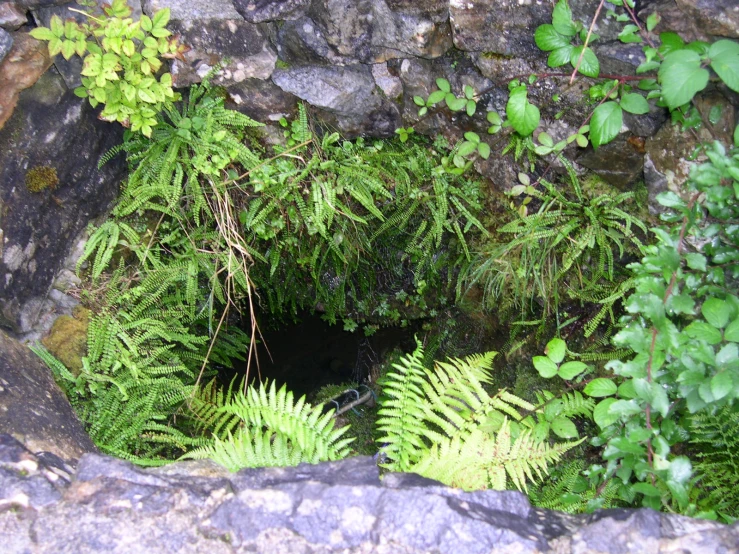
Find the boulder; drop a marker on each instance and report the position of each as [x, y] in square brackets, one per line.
[503, 27]
[12, 16]
[110, 505]
[33, 409]
[345, 95]
[257, 11]
[715, 17]
[243, 45]
[20, 69]
[50, 189]
[373, 31]
[6, 43]
[262, 100]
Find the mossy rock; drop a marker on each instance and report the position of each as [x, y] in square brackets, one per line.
[41, 178]
[67, 339]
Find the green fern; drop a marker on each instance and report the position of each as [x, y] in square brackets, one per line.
[716, 439]
[566, 248]
[566, 490]
[443, 425]
[273, 430]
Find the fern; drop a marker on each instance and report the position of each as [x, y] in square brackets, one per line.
[443, 425]
[566, 490]
[273, 430]
[716, 438]
[566, 248]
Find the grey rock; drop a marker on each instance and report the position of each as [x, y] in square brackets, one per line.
[6, 43]
[715, 17]
[112, 506]
[50, 128]
[303, 42]
[371, 31]
[346, 95]
[32, 407]
[246, 47]
[261, 100]
[257, 11]
[12, 16]
[389, 84]
[194, 10]
[498, 26]
[619, 162]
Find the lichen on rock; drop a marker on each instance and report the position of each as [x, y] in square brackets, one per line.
[41, 177]
[67, 339]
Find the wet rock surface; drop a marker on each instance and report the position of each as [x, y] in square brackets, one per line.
[109, 505]
[32, 407]
[48, 196]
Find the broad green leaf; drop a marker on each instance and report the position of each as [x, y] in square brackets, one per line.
[146, 23]
[605, 123]
[602, 414]
[471, 107]
[670, 42]
[646, 489]
[546, 367]
[42, 33]
[728, 355]
[469, 92]
[700, 330]
[560, 56]
[160, 19]
[564, 428]
[455, 104]
[570, 370]
[696, 261]
[57, 26]
[716, 312]
[562, 19]
[556, 349]
[731, 333]
[634, 103]
[721, 384]
[547, 38]
[68, 49]
[545, 139]
[589, 64]
[680, 469]
[652, 20]
[681, 304]
[724, 55]
[681, 76]
[495, 119]
[435, 97]
[484, 150]
[625, 408]
[472, 137]
[417, 100]
[600, 387]
[467, 148]
[443, 85]
[523, 116]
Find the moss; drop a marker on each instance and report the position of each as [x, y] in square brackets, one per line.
[41, 177]
[282, 64]
[67, 339]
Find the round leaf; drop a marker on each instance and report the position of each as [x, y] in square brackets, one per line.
[716, 312]
[634, 103]
[721, 384]
[570, 370]
[681, 76]
[547, 38]
[606, 123]
[523, 116]
[601, 414]
[484, 150]
[724, 55]
[556, 350]
[600, 387]
[472, 137]
[564, 428]
[443, 84]
[589, 64]
[560, 56]
[494, 118]
[546, 367]
[471, 107]
[436, 97]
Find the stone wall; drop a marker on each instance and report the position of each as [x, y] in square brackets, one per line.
[356, 63]
[110, 506]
